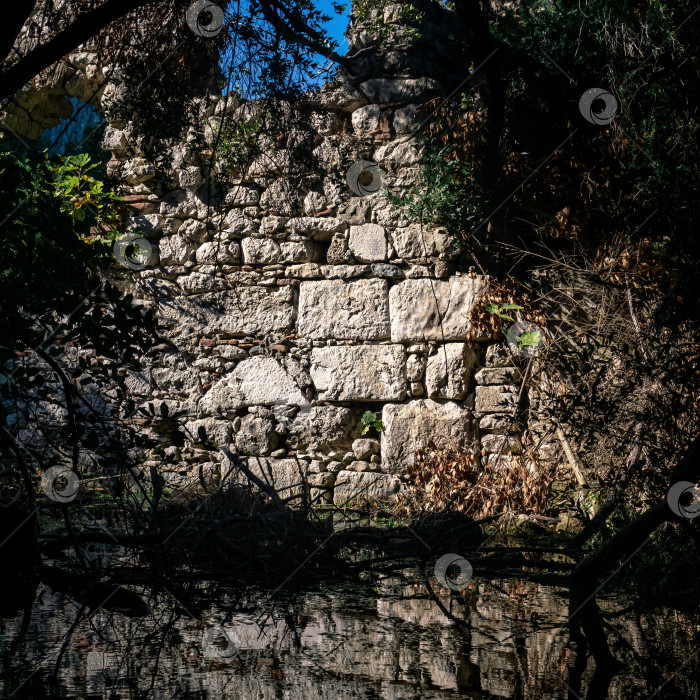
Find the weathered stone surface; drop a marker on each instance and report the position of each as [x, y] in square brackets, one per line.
[361, 487]
[498, 375]
[366, 119]
[344, 272]
[322, 429]
[449, 371]
[218, 252]
[257, 381]
[337, 251]
[414, 311]
[344, 310]
[359, 372]
[368, 242]
[286, 476]
[405, 151]
[304, 271]
[415, 368]
[411, 243]
[405, 119]
[495, 399]
[386, 270]
[364, 448]
[502, 443]
[318, 228]
[176, 381]
[260, 251]
[498, 356]
[243, 311]
[399, 89]
[299, 252]
[411, 425]
[218, 432]
[148, 224]
[256, 435]
[242, 196]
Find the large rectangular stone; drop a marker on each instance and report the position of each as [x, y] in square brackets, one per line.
[412, 425]
[286, 476]
[360, 372]
[428, 309]
[496, 398]
[254, 311]
[361, 487]
[356, 310]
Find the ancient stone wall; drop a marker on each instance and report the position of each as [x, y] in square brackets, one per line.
[294, 303]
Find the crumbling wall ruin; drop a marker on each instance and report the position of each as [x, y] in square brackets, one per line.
[295, 302]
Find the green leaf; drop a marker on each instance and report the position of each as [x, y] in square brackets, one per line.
[529, 339]
[368, 417]
[510, 307]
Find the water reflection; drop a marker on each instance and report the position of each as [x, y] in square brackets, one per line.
[391, 638]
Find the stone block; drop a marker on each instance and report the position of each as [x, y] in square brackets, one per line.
[321, 429]
[368, 242]
[260, 251]
[344, 310]
[426, 309]
[359, 373]
[364, 448]
[257, 381]
[286, 476]
[411, 425]
[298, 252]
[498, 375]
[256, 435]
[244, 311]
[381, 90]
[362, 487]
[449, 371]
[410, 242]
[495, 399]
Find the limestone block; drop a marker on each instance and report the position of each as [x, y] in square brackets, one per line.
[495, 399]
[242, 196]
[364, 448]
[368, 242]
[415, 368]
[344, 310]
[114, 140]
[175, 250]
[260, 251]
[359, 372]
[299, 252]
[218, 252]
[138, 170]
[416, 316]
[366, 119]
[380, 90]
[321, 429]
[337, 251]
[404, 150]
[149, 224]
[190, 177]
[498, 375]
[411, 243]
[449, 371]
[344, 272]
[318, 228]
[303, 271]
[361, 487]
[411, 425]
[257, 381]
[286, 476]
[498, 356]
[218, 432]
[238, 224]
[176, 381]
[243, 311]
[405, 119]
[256, 435]
[342, 97]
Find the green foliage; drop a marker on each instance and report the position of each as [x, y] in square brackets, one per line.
[82, 196]
[498, 310]
[446, 193]
[369, 420]
[524, 340]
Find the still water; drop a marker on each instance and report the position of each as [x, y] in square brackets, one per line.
[393, 637]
